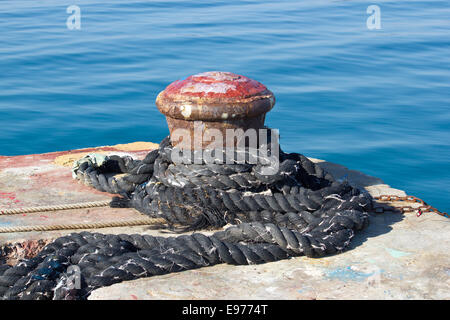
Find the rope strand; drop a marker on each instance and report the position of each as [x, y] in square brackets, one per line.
[91, 225]
[56, 207]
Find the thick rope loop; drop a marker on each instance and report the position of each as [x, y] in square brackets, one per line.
[300, 210]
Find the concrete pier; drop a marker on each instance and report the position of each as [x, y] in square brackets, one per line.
[399, 256]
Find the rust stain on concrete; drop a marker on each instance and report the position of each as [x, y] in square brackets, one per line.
[12, 253]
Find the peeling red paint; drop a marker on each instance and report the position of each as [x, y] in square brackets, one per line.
[7, 195]
[216, 85]
[220, 100]
[9, 198]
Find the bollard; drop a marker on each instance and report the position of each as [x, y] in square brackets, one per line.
[213, 100]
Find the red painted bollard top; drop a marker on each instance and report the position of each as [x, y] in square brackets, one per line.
[220, 100]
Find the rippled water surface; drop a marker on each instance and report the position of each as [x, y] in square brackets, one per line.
[372, 100]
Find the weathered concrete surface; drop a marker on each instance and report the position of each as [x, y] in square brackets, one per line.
[396, 257]
[46, 179]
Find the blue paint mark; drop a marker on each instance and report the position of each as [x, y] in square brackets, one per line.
[397, 253]
[348, 274]
[304, 289]
[6, 223]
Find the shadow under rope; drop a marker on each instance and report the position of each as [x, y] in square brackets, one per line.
[355, 178]
[379, 223]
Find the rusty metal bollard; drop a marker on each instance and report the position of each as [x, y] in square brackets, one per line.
[213, 100]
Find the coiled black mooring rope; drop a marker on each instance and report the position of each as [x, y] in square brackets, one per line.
[301, 210]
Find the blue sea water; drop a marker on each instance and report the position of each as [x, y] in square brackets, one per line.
[373, 100]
